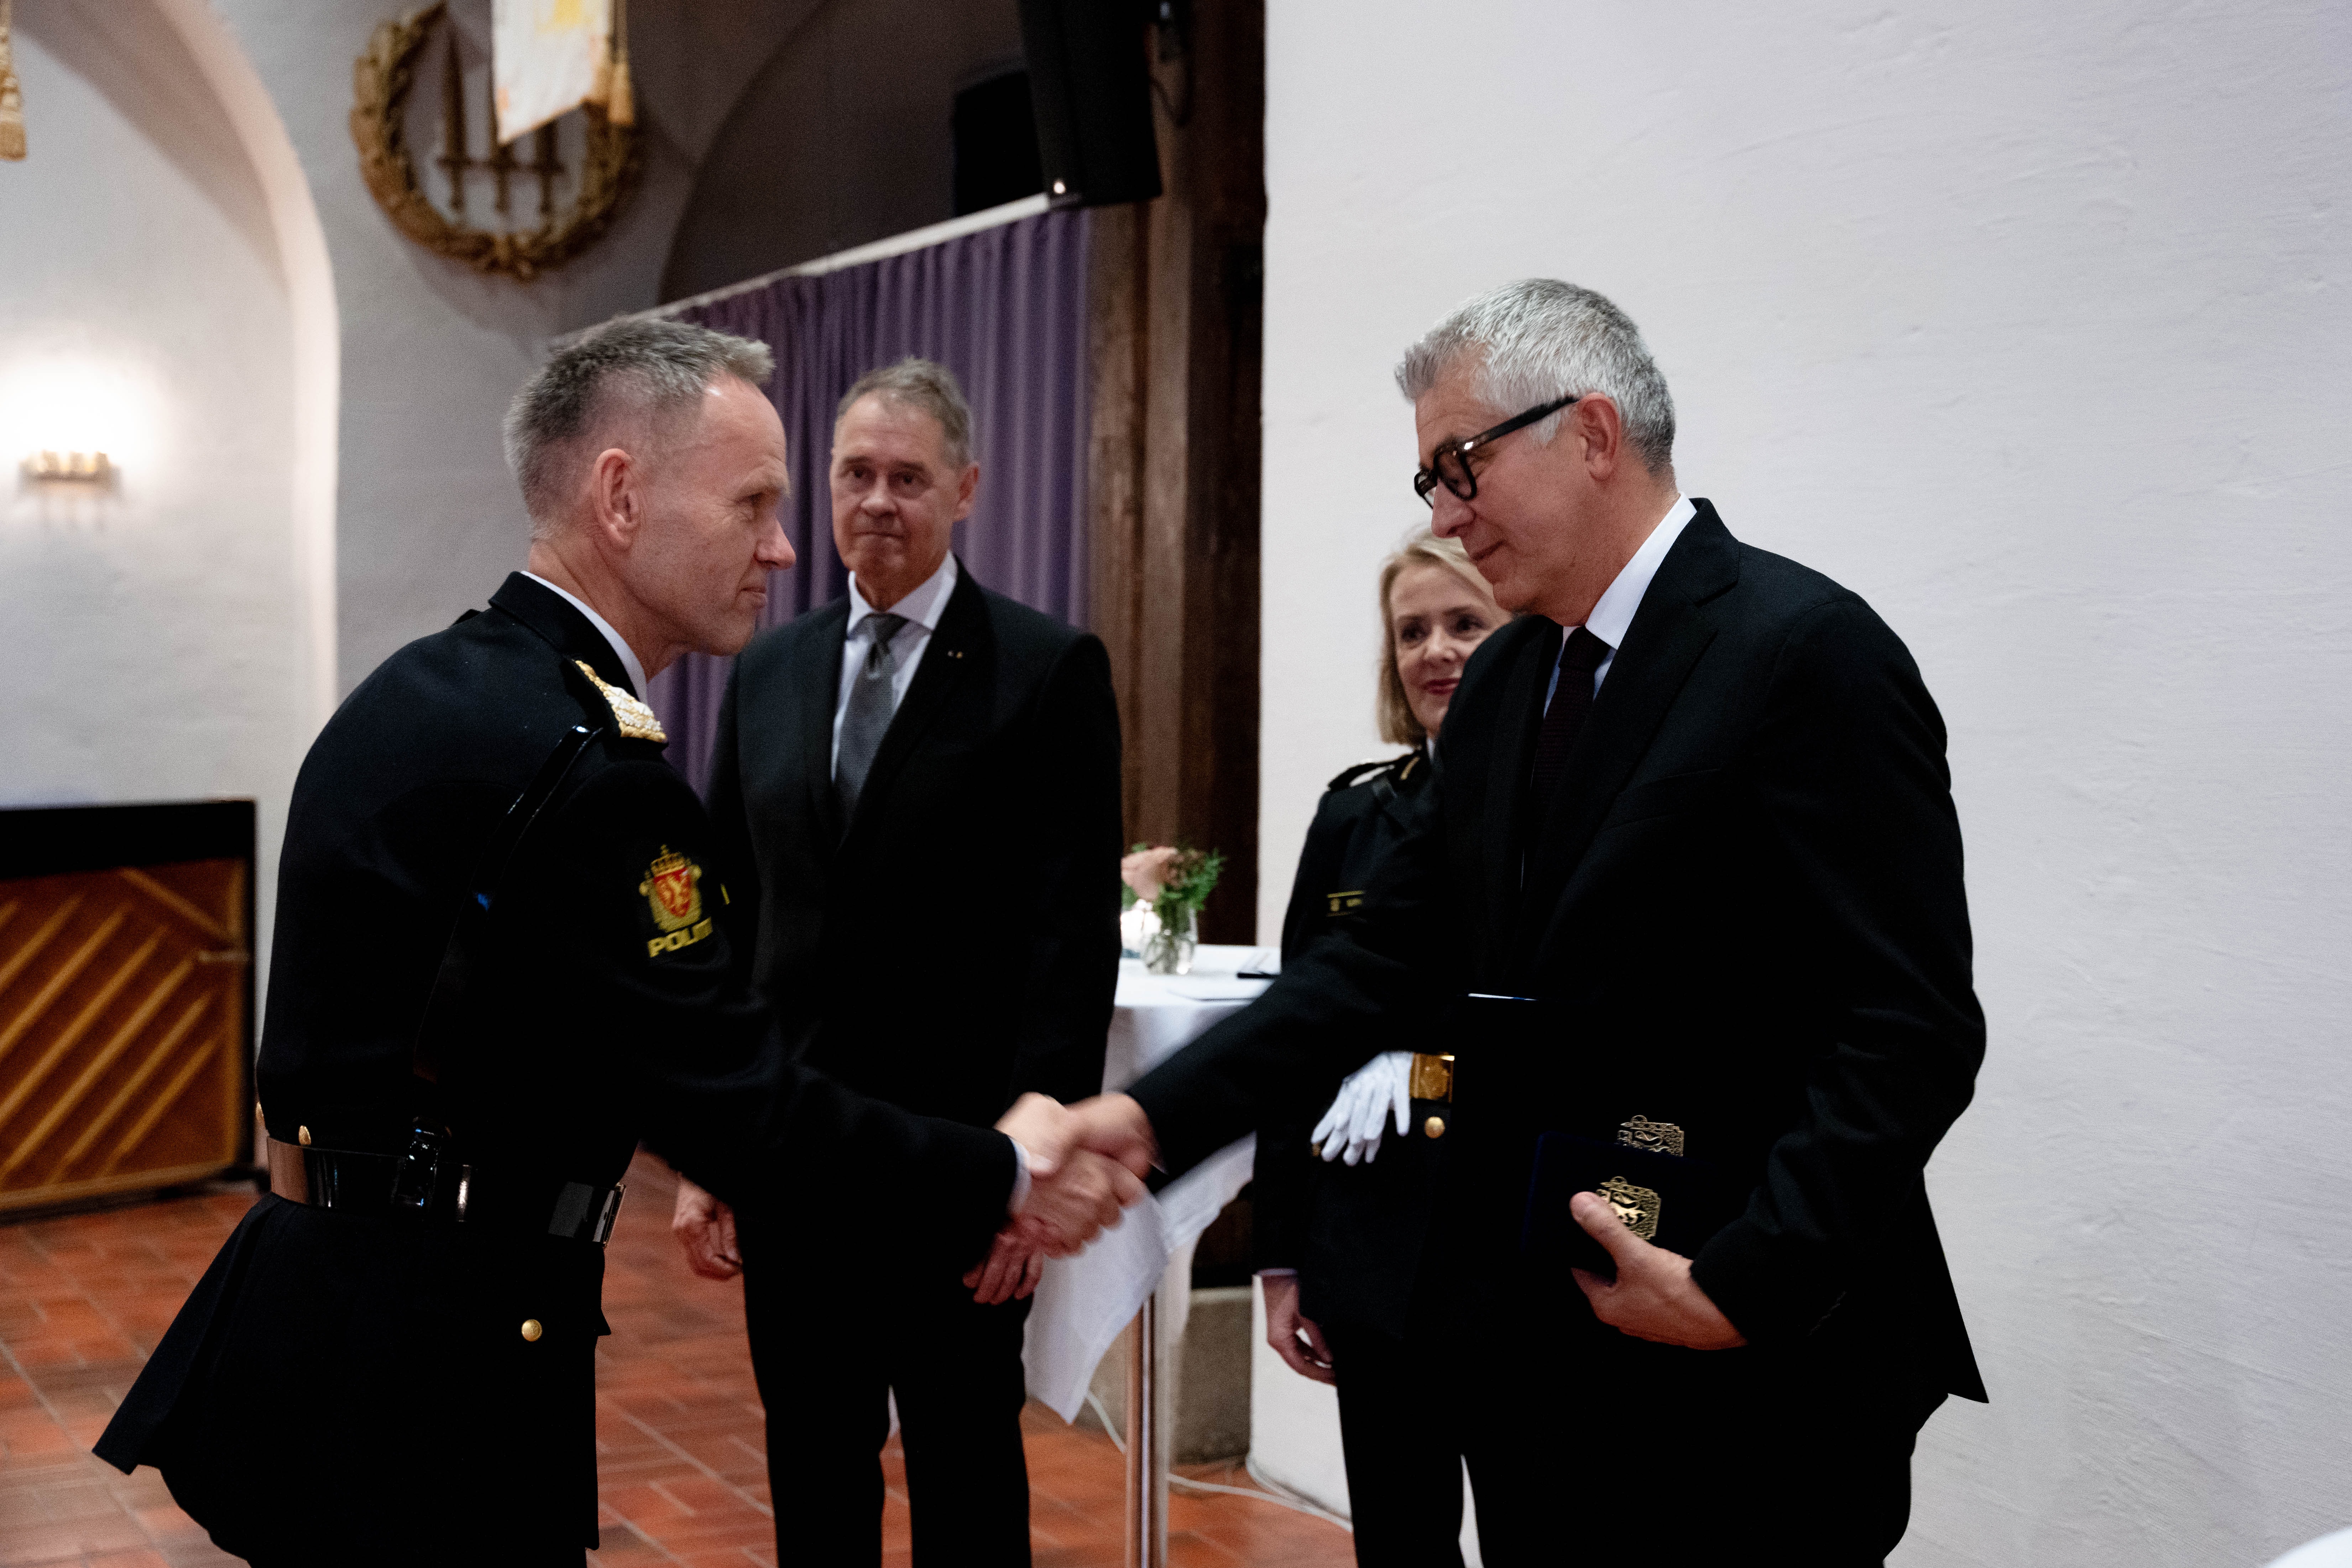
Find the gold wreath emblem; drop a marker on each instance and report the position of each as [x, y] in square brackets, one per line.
[380, 80]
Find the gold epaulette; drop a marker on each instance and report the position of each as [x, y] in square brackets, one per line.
[637, 720]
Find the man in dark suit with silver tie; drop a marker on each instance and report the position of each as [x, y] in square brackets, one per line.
[921, 782]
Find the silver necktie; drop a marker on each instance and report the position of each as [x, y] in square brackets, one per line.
[867, 719]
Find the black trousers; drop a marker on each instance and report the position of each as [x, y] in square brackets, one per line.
[829, 1360]
[1400, 1431]
[1587, 1447]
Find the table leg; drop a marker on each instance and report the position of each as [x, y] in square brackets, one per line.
[1147, 1463]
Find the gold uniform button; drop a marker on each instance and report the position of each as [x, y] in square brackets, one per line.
[303, 1134]
[530, 1329]
[1435, 1127]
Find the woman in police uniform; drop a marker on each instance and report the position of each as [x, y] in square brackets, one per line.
[1340, 1205]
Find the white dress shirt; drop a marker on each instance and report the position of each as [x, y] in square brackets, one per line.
[922, 609]
[621, 649]
[1612, 614]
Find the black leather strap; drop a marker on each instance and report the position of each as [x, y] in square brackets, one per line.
[356, 1181]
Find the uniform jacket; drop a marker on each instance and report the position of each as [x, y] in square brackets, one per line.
[1742, 914]
[957, 942]
[1352, 1232]
[355, 1387]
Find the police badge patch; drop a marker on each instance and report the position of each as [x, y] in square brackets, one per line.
[1637, 1206]
[672, 889]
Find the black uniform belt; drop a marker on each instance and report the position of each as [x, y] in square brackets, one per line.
[358, 1182]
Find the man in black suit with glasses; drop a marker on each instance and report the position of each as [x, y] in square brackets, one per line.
[1688, 876]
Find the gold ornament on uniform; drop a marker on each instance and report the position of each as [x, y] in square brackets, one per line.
[1651, 1137]
[637, 720]
[1431, 1077]
[672, 888]
[1637, 1206]
[12, 97]
[609, 164]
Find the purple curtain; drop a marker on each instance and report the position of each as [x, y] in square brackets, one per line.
[1005, 309]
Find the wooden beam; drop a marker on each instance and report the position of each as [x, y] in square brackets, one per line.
[1176, 330]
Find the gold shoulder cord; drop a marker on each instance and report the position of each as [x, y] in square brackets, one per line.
[637, 720]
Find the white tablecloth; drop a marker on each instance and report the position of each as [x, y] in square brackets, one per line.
[1082, 1303]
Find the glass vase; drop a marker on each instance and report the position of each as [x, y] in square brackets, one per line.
[1169, 949]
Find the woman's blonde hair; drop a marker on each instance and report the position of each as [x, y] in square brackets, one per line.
[1398, 726]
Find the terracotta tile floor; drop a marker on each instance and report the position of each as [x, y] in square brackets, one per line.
[681, 1469]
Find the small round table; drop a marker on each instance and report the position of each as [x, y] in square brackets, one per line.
[1140, 1271]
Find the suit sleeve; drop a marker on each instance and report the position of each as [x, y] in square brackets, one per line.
[702, 1061]
[1279, 1193]
[1852, 790]
[1070, 975]
[1280, 1057]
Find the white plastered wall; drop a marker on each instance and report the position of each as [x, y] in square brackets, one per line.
[164, 297]
[2028, 323]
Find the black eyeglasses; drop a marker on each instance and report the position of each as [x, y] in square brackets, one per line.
[1449, 464]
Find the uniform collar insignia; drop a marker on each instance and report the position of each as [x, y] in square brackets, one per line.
[637, 720]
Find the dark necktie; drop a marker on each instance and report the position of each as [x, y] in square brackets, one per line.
[1571, 699]
[867, 717]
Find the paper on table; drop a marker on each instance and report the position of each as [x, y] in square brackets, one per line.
[1219, 990]
[1082, 1303]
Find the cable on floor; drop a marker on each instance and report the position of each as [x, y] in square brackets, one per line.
[1274, 1492]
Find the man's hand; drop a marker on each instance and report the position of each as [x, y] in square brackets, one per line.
[1309, 1358]
[706, 1228]
[1655, 1297]
[1009, 1272]
[1046, 1129]
[1067, 1208]
[1114, 1126]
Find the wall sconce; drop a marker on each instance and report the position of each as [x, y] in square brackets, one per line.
[70, 468]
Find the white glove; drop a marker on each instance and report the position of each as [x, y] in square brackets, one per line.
[1351, 1129]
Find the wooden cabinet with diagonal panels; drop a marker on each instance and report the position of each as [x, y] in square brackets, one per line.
[125, 999]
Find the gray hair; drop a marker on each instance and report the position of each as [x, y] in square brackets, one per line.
[924, 384]
[1540, 339]
[647, 371]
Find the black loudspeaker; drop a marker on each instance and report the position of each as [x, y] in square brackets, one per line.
[995, 139]
[1092, 93]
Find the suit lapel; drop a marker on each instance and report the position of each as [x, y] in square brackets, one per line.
[1669, 633]
[1507, 786]
[947, 661]
[815, 691]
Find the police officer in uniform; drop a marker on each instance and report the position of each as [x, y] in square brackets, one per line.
[501, 962]
[1338, 1207]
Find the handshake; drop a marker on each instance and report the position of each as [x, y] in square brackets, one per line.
[1086, 1162]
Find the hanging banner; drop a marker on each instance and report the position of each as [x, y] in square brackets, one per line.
[12, 97]
[548, 58]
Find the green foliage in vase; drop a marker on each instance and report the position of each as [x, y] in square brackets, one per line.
[1183, 876]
